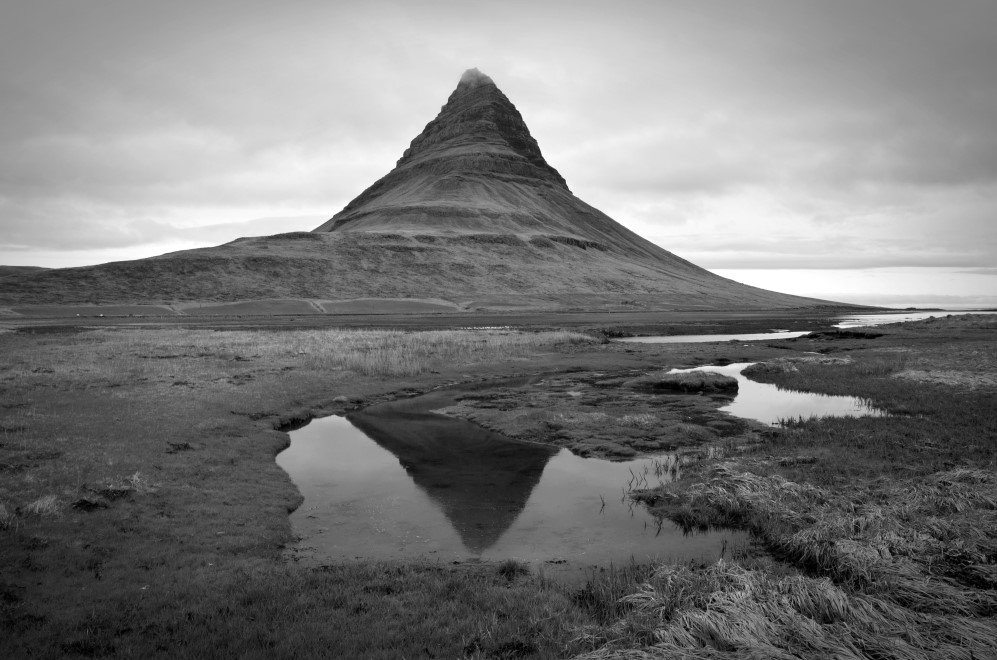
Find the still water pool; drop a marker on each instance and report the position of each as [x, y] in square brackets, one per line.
[398, 481]
[771, 404]
[398, 484]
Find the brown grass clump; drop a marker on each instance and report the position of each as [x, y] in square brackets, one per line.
[929, 548]
[689, 382]
[728, 611]
[6, 517]
[642, 420]
[47, 505]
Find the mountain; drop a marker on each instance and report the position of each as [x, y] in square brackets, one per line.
[472, 216]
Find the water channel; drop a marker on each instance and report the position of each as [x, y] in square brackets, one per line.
[702, 339]
[869, 320]
[842, 322]
[771, 404]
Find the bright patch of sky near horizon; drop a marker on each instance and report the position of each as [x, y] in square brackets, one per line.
[837, 149]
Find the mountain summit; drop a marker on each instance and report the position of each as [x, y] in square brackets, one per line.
[471, 217]
[456, 168]
[477, 169]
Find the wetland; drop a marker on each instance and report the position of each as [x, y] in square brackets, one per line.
[142, 506]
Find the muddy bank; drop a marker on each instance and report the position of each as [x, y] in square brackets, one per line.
[607, 414]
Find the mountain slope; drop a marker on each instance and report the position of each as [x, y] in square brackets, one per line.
[476, 169]
[472, 214]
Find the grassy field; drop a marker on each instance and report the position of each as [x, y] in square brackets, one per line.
[888, 524]
[142, 513]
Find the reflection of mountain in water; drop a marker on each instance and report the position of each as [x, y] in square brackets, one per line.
[481, 480]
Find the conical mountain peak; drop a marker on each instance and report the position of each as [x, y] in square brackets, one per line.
[472, 78]
[468, 170]
[472, 215]
[479, 120]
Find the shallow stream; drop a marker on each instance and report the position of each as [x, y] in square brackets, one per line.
[843, 322]
[702, 339]
[871, 320]
[771, 404]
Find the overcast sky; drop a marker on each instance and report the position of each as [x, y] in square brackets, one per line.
[840, 148]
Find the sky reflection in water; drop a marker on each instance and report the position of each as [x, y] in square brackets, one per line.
[771, 404]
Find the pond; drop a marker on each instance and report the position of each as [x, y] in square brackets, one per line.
[404, 483]
[771, 404]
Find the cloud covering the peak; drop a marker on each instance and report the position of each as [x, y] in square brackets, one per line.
[765, 136]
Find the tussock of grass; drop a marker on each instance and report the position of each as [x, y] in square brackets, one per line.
[929, 548]
[47, 505]
[603, 595]
[510, 569]
[6, 517]
[642, 420]
[728, 611]
[894, 521]
[688, 382]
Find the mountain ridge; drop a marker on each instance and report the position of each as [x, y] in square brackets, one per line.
[471, 211]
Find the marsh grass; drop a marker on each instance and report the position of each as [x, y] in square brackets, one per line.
[118, 356]
[642, 420]
[893, 521]
[885, 527]
[47, 505]
[510, 569]
[344, 611]
[924, 545]
[179, 550]
[726, 610]
[603, 592]
[6, 517]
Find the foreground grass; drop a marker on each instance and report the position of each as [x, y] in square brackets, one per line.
[142, 512]
[349, 610]
[892, 521]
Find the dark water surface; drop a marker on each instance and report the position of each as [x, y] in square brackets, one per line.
[401, 483]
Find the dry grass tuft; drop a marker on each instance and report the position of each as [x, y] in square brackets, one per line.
[140, 483]
[641, 421]
[139, 353]
[47, 505]
[928, 548]
[727, 611]
[6, 517]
